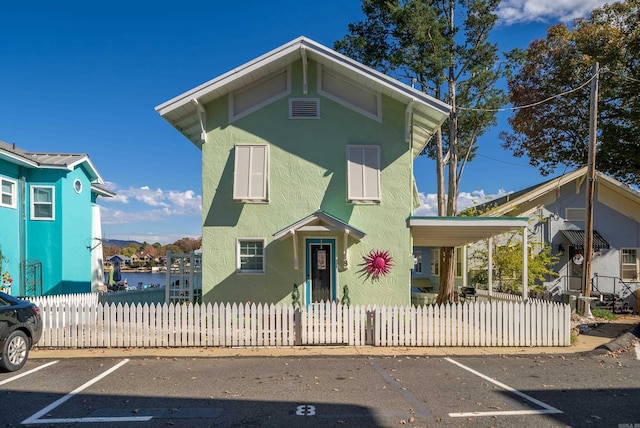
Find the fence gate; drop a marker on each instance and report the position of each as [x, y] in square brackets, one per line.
[184, 278]
[31, 278]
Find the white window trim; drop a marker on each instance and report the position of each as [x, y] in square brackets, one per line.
[637, 251]
[32, 203]
[344, 102]
[14, 193]
[363, 200]
[265, 184]
[287, 91]
[77, 186]
[264, 256]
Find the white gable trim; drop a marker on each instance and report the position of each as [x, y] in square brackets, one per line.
[428, 114]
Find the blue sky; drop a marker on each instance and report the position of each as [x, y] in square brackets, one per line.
[84, 77]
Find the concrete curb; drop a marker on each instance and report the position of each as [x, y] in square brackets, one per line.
[619, 337]
[621, 342]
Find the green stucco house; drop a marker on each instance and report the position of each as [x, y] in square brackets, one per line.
[307, 177]
[50, 233]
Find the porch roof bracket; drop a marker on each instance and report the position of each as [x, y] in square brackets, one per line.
[294, 238]
[408, 121]
[202, 117]
[305, 85]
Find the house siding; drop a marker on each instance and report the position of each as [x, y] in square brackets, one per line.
[617, 228]
[10, 231]
[307, 172]
[61, 244]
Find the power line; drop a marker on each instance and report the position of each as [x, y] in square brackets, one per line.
[536, 103]
[505, 162]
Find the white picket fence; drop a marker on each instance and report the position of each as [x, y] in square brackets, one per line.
[496, 323]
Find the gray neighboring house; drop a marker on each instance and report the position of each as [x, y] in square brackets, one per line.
[556, 209]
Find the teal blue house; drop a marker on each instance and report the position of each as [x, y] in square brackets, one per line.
[50, 239]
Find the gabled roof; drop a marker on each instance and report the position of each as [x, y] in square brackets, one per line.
[427, 113]
[100, 190]
[624, 198]
[68, 161]
[319, 221]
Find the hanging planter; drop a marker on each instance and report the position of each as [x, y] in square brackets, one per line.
[377, 263]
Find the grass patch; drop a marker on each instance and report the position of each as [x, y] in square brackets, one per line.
[604, 314]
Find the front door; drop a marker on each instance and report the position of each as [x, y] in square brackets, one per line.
[575, 268]
[320, 270]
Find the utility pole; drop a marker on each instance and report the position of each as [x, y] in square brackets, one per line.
[591, 178]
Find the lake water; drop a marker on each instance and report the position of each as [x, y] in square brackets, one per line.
[146, 278]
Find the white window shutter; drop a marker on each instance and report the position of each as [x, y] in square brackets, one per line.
[363, 173]
[250, 173]
[371, 173]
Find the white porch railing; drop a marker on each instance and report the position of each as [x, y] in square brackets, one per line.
[498, 295]
[496, 323]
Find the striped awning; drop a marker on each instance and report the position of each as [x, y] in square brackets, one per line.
[576, 238]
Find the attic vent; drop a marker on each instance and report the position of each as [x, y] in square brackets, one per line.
[304, 108]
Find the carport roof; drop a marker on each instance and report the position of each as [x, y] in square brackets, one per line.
[458, 231]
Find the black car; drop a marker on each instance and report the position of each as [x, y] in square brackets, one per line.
[20, 329]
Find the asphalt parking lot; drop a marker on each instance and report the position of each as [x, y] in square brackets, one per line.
[314, 391]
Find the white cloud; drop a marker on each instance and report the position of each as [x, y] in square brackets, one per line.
[429, 202]
[521, 11]
[164, 204]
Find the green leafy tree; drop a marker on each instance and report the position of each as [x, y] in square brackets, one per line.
[444, 49]
[556, 132]
[507, 263]
[130, 250]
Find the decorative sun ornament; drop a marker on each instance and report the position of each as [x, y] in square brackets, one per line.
[378, 262]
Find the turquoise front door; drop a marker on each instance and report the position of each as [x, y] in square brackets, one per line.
[320, 270]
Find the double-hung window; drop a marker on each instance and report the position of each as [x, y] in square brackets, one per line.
[251, 173]
[7, 193]
[42, 203]
[629, 264]
[417, 268]
[363, 173]
[250, 256]
[459, 262]
[435, 261]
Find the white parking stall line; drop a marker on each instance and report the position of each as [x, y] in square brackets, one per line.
[637, 351]
[35, 418]
[11, 379]
[546, 409]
